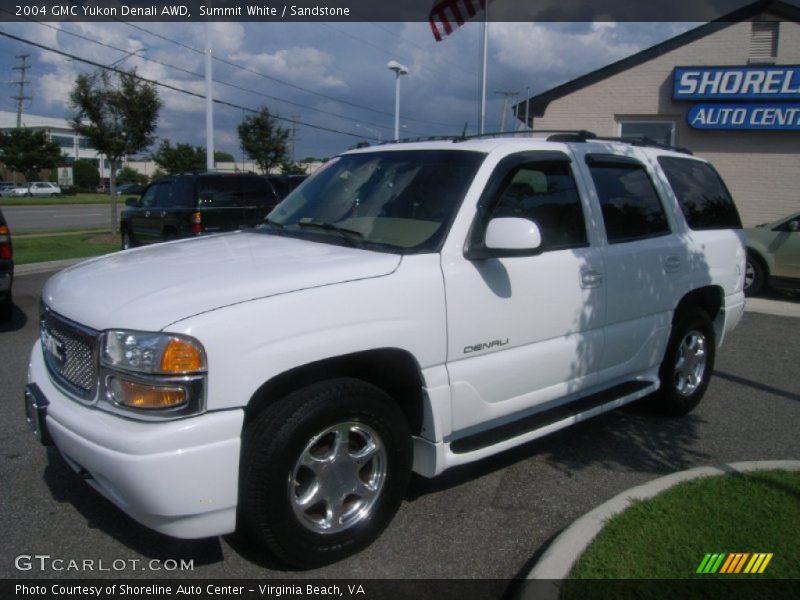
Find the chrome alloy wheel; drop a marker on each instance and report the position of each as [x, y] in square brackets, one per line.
[749, 275]
[690, 366]
[338, 478]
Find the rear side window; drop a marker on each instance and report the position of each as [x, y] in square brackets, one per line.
[221, 190]
[545, 193]
[630, 204]
[701, 193]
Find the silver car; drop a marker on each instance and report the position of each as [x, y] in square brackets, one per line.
[41, 189]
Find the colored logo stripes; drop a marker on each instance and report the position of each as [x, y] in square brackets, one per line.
[732, 563]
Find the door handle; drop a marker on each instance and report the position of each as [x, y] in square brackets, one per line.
[672, 264]
[591, 278]
[146, 213]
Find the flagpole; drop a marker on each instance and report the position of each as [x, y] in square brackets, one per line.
[485, 54]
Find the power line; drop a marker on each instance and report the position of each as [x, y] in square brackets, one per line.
[286, 83]
[201, 75]
[172, 87]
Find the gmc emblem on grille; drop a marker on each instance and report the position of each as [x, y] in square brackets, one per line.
[53, 346]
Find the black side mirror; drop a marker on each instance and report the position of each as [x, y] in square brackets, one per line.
[131, 202]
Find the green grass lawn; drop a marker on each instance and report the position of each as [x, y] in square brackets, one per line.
[667, 537]
[42, 248]
[76, 199]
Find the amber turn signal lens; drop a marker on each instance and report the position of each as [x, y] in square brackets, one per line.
[138, 395]
[181, 356]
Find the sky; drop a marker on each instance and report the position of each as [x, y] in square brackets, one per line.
[330, 75]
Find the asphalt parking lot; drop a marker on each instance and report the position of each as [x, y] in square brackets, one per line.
[486, 520]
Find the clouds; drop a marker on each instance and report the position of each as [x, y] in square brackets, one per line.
[304, 65]
[344, 64]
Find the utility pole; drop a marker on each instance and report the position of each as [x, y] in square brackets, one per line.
[21, 97]
[506, 97]
[294, 135]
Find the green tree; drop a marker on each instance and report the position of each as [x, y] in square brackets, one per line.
[85, 175]
[118, 113]
[129, 175]
[263, 140]
[290, 168]
[27, 151]
[158, 174]
[180, 158]
[220, 156]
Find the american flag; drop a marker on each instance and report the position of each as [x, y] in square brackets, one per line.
[448, 15]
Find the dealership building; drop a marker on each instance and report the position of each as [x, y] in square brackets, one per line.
[729, 91]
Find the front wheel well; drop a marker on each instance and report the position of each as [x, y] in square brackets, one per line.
[394, 371]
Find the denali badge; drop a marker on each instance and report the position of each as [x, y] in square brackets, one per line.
[485, 346]
[53, 346]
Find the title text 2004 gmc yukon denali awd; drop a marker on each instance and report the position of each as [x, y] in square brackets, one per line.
[411, 307]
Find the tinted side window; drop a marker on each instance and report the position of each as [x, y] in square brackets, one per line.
[702, 195]
[545, 193]
[220, 190]
[630, 204]
[149, 197]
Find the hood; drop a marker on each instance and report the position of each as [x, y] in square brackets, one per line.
[150, 288]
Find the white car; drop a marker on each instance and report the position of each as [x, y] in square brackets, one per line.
[410, 307]
[41, 189]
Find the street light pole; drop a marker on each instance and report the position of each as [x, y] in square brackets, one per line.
[398, 70]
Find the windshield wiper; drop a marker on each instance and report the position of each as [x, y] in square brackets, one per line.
[351, 236]
[274, 224]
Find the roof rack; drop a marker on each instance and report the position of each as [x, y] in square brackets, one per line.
[645, 142]
[578, 134]
[554, 135]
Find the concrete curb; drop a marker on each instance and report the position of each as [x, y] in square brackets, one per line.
[44, 267]
[558, 560]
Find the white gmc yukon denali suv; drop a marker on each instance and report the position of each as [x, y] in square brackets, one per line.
[411, 307]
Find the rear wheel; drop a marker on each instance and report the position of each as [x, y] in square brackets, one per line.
[688, 363]
[323, 471]
[126, 240]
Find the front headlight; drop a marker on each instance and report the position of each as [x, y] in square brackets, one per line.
[158, 353]
[157, 374]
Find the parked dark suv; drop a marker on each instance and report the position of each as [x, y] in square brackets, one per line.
[193, 204]
[6, 270]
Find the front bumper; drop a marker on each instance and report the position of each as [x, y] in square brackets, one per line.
[177, 477]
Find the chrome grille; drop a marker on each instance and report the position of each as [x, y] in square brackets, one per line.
[69, 352]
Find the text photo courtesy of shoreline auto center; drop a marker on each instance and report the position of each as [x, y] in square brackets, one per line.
[469, 299]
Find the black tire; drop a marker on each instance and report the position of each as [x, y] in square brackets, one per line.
[169, 235]
[272, 476]
[6, 308]
[683, 383]
[126, 241]
[755, 275]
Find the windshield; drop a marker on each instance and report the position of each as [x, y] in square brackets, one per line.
[400, 201]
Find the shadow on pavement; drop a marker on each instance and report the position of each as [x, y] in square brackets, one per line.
[762, 387]
[631, 438]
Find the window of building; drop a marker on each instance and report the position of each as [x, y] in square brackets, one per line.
[661, 132]
[63, 141]
[763, 42]
[545, 193]
[630, 203]
[702, 195]
[84, 143]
